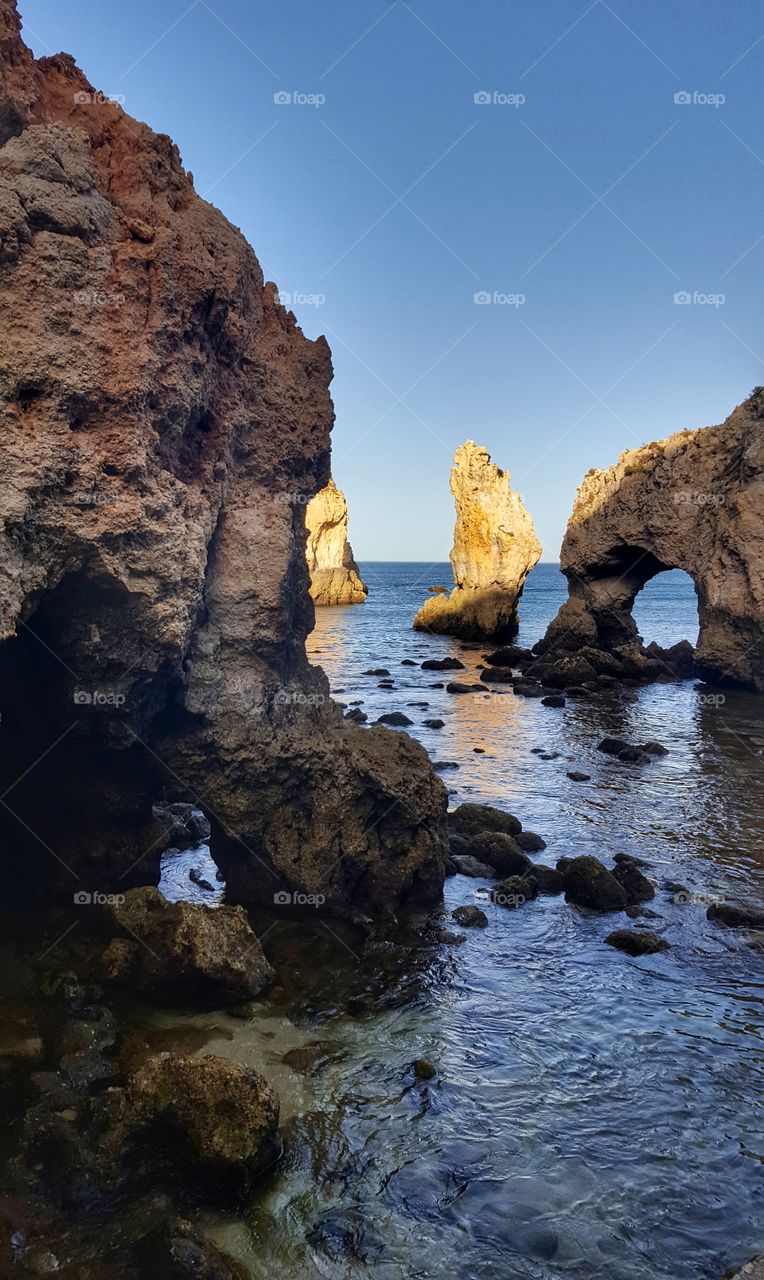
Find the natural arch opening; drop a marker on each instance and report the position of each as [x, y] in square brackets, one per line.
[666, 609]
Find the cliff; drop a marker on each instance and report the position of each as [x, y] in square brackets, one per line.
[158, 403]
[495, 548]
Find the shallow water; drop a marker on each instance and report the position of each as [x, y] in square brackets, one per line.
[592, 1115]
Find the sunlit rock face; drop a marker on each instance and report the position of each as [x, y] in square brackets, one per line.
[495, 548]
[159, 403]
[694, 501]
[334, 574]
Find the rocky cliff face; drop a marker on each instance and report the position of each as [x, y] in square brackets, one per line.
[159, 407]
[694, 501]
[334, 575]
[495, 548]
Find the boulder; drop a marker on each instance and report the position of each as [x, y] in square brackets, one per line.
[636, 942]
[457, 686]
[470, 819]
[334, 574]
[470, 917]
[499, 851]
[509, 655]
[495, 548]
[636, 885]
[466, 865]
[530, 842]
[736, 917]
[442, 664]
[498, 675]
[589, 884]
[183, 951]
[396, 718]
[547, 879]
[515, 891]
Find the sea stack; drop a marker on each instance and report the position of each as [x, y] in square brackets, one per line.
[495, 548]
[334, 575]
[694, 501]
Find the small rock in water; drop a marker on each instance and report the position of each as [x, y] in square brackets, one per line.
[514, 892]
[454, 686]
[530, 842]
[442, 664]
[589, 884]
[466, 865]
[736, 917]
[198, 879]
[438, 685]
[386, 684]
[479, 751]
[655, 748]
[434, 724]
[575, 776]
[636, 942]
[408, 662]
[470, 819]
[440, 766]
[553, 700]
[612, 746]
[394, 718]
[450, 938]
[421, 705]
[423, 1069]
[498, 675]
[547, 879]
[470, 917]
[358, 715]
[377, 671]
[636, 885]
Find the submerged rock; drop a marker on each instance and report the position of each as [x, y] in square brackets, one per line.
[495, 548]
[334, 574]
[636, 885]
[442, 664]
[736, 917]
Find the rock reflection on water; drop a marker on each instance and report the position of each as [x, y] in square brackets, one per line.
[591, 1115]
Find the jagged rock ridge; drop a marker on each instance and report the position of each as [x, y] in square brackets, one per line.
[334, 574]
[694, 501]
[158, 403]
[495, 548]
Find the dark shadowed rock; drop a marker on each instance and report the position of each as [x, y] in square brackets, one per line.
[442, 664]
[498, 675]
[499, 851]
[576, 776]
[589, 884]
[435, 723]
[470, 917]
[509, 655]
[469, 819]
[636, 885]
[530, 842]
[398, 718]
[466, 865]
[736, 917]
[546, 879]
[515, 891]
[636, 942]
[455, 686]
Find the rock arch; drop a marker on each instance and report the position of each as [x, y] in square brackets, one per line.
[694, 501]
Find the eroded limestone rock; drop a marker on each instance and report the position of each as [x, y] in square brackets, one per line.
[694, 501]
[158, 404]
[334, 574]
[495, 548]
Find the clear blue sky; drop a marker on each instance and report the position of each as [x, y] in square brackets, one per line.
[399, 198]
